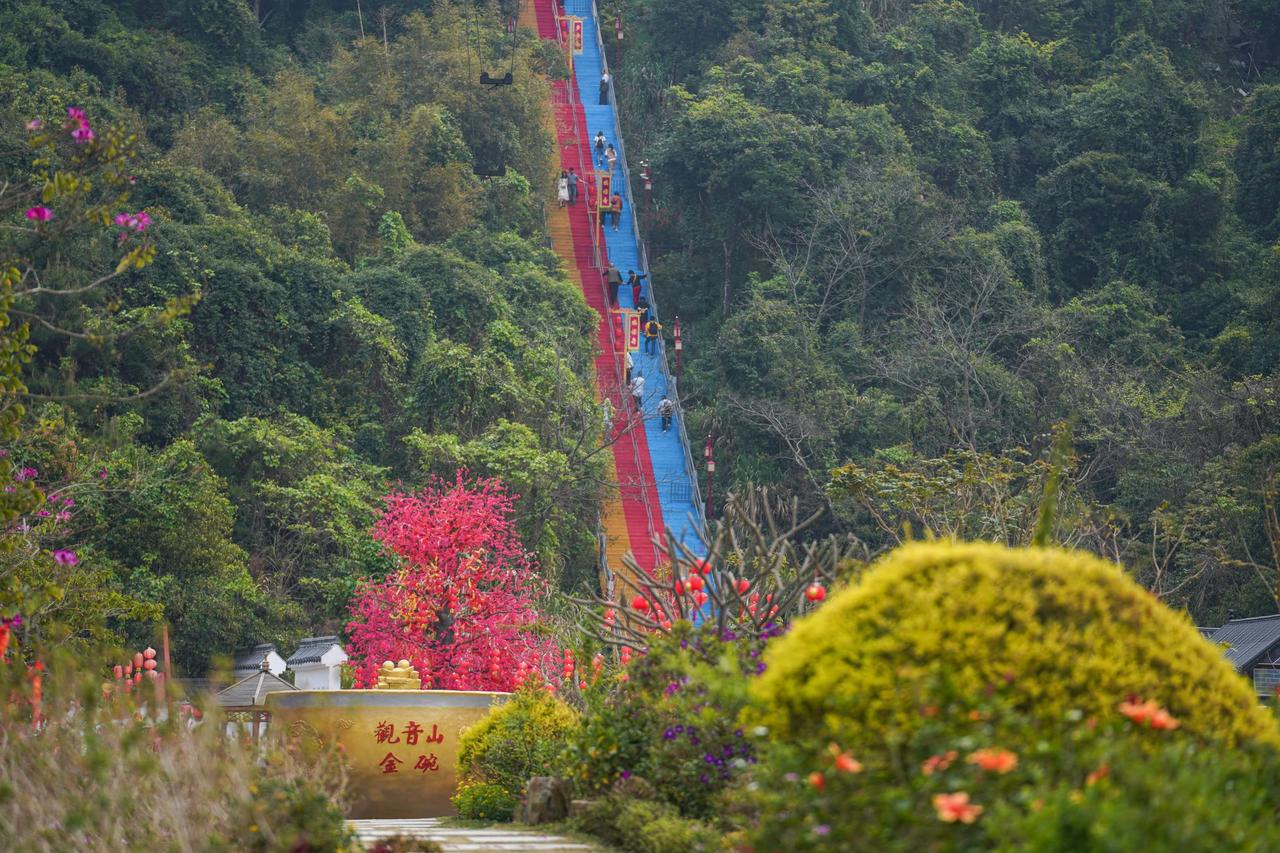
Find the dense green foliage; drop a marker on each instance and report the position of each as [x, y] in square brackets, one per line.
[336, 303]
[523, 738]
[902, 230]
[972, 696]
[1065, 630]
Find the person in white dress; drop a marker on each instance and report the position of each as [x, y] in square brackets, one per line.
[562, 189]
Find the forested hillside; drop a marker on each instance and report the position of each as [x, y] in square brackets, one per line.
[926, 255]
[337, 303]
[910, 242]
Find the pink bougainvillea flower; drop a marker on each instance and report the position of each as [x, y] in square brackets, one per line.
[102, 475]
[63, 516]
[135, 222]
[952, 808]
[26, 473]
[65, 558]
[39, 213]
[938, 763]
[35, 124]
[994, 760]
[44, 513]
[76, 114]
[82, 135]
[1148, 714]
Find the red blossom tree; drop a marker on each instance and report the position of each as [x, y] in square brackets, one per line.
[461, 606]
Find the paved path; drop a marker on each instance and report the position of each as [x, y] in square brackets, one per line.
[458, 838]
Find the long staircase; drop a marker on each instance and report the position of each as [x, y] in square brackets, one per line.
[656, 484]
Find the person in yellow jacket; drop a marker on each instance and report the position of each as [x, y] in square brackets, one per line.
[651, 331]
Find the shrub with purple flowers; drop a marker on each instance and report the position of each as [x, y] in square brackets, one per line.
[672, 722]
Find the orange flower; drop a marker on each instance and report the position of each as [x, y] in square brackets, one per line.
[994, 760]
[938, 763]
[817, 780]
[929, 711]
[978, 715]
[845, 762]
[1148, 714]
[955, 807]
[1103, 771]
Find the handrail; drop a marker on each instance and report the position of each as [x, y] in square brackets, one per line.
[682, 434]
[575, 105]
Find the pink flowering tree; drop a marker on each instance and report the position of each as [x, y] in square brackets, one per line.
[461, 606]
[68, 231]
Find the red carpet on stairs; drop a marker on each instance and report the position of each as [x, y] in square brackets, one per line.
[636, 482]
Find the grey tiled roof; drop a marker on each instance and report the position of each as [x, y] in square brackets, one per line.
[1207, 633]
[252, 660]
[252, 690]
[312, 649]
[1248, 639]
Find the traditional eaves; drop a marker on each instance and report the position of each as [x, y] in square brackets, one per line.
[252, 690]
[312, 649]
[1247, 640]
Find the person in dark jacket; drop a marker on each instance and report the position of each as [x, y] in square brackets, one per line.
[613, 278]
[604, 89]
[573, 186]
[637, 289]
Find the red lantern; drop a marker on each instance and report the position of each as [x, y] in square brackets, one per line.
[149, 653]
[743, 586]
[679, 587]
[640, 603]
[695, 583]
[815, 592]
[700, 599]
[702, 566]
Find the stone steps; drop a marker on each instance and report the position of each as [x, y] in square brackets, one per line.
[455, 839]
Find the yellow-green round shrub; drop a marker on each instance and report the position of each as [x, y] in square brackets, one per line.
[524, 737]
[1062, 634]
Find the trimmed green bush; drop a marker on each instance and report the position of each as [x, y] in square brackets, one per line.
[646, 826]
[518, 740]
[484, 801]
[1059, 632]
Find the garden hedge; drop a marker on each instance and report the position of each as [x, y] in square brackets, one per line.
[1064, 635]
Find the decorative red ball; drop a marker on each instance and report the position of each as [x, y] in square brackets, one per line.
[815, 592]
[695, 583]
[640, 603]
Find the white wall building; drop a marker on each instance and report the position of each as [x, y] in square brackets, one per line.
[317, 664]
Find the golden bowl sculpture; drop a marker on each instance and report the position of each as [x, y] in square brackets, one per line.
[401, 745]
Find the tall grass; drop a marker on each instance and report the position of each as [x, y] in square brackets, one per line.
[98, 773]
